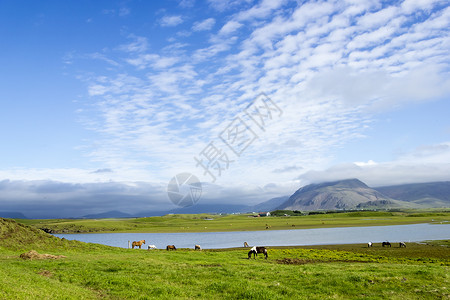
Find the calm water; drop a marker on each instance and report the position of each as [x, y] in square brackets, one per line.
[321, 236]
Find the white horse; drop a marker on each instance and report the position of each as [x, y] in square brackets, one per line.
[369, 244]
[198, 247]
[151, 247]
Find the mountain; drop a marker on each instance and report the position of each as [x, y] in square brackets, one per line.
[431, 194]
[108, 214]
[343, 194]
[268, 205]
[12, 215]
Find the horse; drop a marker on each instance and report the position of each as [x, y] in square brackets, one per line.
[369, 244]
[137, 244]
[246, 245]
[151, 247]
[171, 247]
[402, 244]
[255, 250]
[197, 247]
[386, 244]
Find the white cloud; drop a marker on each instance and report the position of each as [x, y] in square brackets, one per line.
[381, 17]
[410, 6]
[204, 25]
[124, 11]
[261, 10]
[187, 3]
[152, 60]
[140, 44]
[425, 164]
[230, 27]
[223, 5]
[171, 21]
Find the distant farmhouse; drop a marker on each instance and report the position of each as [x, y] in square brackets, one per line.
[264, 214]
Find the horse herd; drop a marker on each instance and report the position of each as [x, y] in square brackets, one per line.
[387, 244]
[254, 250]
[152, 247]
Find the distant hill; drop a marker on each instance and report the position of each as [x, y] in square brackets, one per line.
[108, 214]
[12, 215]
[209, 208]
[431, 194]
[337, 195]
[268, 205]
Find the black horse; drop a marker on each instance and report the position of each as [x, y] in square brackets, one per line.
[387, 244]
[256, 250]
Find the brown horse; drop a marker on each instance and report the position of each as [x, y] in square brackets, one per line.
[255, 250]
[137, 244]
[171, 247]
[387, 244]
[246, 245]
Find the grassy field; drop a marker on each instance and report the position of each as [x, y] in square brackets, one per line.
[214, 223]
[89, 271]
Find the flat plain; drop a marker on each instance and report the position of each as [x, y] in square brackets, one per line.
[241, 222]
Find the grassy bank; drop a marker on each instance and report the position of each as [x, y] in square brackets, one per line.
[245, 222]
[91, 271]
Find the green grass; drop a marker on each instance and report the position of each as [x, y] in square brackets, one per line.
[89, 271]
[202, 222]
[226, 274]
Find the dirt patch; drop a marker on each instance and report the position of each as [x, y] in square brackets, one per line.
[299, 261]
[45, 273]
[34, 255]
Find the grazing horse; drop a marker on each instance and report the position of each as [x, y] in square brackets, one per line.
[369, 244]
[151, 247]
[197, 247]
[255, 250]
[171, 247]
[402, 244]
[246, 245]
[137, 244]
[386, 244]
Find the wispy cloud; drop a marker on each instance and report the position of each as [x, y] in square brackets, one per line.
[230, 27]
[171, 21]
[204, 25]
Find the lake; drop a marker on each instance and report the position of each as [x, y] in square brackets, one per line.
[300, 237]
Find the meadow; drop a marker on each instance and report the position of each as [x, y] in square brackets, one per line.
[241, 222]
[91, 271]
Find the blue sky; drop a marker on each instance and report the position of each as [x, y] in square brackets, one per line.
[127, 93]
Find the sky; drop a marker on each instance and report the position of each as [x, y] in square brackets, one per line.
[104, 102]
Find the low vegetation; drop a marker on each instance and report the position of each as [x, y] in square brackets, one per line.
[244, 222]
[89, 271]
